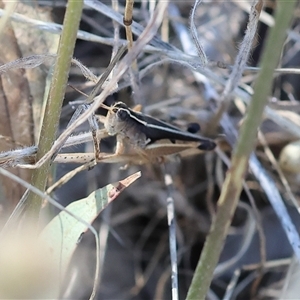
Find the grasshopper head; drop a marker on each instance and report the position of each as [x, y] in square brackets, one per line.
[117, 119]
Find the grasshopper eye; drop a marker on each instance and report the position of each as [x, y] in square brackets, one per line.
[123, 114]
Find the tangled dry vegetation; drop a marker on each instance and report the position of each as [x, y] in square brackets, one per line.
[177, 84]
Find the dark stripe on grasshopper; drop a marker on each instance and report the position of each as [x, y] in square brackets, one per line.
[155, 129]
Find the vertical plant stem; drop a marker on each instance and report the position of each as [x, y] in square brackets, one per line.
[233, 183]
[55, 100]
[172, 235]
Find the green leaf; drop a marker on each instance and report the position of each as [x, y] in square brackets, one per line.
[62, 234]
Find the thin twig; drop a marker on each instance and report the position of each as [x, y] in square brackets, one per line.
[232, 284]
[67, 177]
[115, 6]
[172, 236]
[200, 50]
[127, 20]
[133, 70]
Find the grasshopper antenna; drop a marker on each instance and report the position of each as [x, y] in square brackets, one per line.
[77, 90]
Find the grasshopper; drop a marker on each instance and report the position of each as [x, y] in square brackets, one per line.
[150, 138]
[144, 130]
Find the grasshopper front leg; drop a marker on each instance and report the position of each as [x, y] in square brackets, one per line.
[120, 148]
[137, 155]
